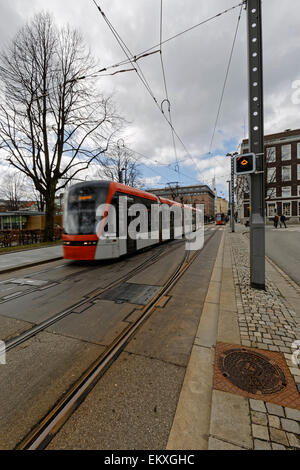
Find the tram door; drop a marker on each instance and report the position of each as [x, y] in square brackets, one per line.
[131, 243]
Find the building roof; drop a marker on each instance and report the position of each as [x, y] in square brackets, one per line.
[197, 188]
[287, 134]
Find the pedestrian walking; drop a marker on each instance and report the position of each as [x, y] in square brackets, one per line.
[276, 218]
[282, 220]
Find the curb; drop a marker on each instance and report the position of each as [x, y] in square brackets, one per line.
[191, 425]
[30, 265]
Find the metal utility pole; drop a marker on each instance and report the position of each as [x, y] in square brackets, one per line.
[232, 155]
[229, 201]
[256, 145]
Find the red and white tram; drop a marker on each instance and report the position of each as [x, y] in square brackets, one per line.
[220, 219]
[86, 236]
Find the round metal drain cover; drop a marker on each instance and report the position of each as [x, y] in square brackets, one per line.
[251, 371]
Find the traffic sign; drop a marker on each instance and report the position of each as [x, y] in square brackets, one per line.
[245, 164]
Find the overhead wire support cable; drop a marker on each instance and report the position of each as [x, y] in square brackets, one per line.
[135, 58]
[140, 74]
[130, 58]
[195, 26]
[226, 77]
[127, 52]
[165, 86]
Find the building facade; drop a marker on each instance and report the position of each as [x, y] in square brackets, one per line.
[282, 178]
[196, 194]
[222, 205]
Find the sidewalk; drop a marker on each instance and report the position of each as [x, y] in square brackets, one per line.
[26, 258]
[242, 389]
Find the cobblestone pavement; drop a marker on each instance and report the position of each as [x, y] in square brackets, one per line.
[274, 427]
[267, 321]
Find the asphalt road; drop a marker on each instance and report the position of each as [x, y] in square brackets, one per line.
[283, 247]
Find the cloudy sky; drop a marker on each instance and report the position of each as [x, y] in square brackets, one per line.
[195, 66]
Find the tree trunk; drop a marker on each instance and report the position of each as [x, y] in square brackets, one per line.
[49, 222]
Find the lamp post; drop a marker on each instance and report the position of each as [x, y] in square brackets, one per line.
[229, 199]
[120, 172]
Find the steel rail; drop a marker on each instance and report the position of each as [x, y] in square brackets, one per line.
[44, 432]
[88, 298]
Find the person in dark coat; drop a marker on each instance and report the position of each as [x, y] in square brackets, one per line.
[276, 218]
[282, 220]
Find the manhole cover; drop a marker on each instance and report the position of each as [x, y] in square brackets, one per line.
[139, 294]
[251, 371]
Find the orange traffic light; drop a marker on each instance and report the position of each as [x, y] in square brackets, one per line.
[244, 164]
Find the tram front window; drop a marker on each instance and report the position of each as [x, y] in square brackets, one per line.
[80, 212]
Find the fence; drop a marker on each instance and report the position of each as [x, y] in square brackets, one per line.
[25, 237]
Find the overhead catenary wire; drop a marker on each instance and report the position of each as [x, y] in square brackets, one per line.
[127, 52]
[133, 58]
[147, 52]
[201, 23]
[225, 79]
[165, 85]
[140, 74]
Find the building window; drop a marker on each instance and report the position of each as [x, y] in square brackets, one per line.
[286, 209]
[298, 172]
[271, 209]
[271, 193]
[286, 191]
[298, 150]
[271, 154]
[286, 173]
[286, 152]
[298, 190]
[271, 172]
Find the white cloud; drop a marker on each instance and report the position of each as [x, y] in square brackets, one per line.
[195, 65]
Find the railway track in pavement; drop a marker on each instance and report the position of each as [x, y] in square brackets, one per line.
[88, 299]
[49, 426]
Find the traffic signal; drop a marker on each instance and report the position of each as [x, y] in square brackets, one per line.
[245, 164]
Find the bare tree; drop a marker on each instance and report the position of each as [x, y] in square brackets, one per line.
[12, 189]
[120, 166]
[53, 120]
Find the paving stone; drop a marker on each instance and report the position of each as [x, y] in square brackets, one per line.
[261, 445]
[290, 426]
[292, 414]
[230, 419]
[278, 436]
[217, 444]
[294, 441]
[257, 405]
[274, 421]
[260, 432]
[275, 409]
[277, 446]
[259, 418]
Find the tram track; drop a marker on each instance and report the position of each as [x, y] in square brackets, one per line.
[88, 298]
[67, 277]
[49, 426]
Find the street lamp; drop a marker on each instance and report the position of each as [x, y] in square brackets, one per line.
[120, 174]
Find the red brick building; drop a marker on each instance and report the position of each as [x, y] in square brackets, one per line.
[282, 177]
